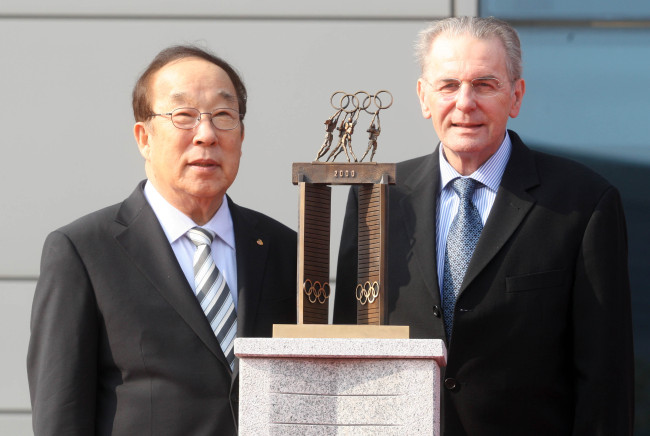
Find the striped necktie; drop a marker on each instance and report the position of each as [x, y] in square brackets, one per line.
[213, 293]
[463, 235]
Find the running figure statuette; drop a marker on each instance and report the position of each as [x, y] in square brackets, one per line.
[351, 106]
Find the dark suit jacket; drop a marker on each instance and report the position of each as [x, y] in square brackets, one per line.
[542, 340]
[119, 344]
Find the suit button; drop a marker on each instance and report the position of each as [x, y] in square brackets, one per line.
[436, 311]
[450, 383]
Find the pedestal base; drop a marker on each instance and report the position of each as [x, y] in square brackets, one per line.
[325, 387]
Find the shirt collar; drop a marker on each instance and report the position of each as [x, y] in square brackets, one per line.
[489, 174]
[175, 223]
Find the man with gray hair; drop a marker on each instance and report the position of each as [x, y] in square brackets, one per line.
[515, 258]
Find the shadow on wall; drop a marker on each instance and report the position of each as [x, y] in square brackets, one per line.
[632, 179]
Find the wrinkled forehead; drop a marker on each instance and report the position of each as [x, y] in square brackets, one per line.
[193, 82]
[452, 55]
[218, 96]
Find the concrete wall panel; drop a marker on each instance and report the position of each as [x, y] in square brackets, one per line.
[16, 297]
[68, 142]
[224, 8]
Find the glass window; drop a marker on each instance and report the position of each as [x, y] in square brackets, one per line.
[585, 90]
[566, 10]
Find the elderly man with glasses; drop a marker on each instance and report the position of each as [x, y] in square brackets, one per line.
[137, 305]
[515, 258]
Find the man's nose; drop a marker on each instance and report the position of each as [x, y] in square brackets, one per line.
[465, 98]
[206, 132]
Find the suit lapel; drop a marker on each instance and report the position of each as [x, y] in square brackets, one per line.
[144, 241]
[252, 251]
[418, 206]
[511, 205]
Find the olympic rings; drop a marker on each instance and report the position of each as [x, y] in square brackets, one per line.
[370, 99]
[367, 293]
[316, 292]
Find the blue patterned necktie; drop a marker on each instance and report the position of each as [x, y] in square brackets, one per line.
[463, 235]
[213, 293]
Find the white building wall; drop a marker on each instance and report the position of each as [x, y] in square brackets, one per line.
[66, 74]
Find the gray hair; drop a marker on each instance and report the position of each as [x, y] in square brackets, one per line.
[476, 27]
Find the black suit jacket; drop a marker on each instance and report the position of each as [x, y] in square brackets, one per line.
[119, 344]
[542, 340]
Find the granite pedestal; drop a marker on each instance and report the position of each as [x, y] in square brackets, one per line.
[324, 387]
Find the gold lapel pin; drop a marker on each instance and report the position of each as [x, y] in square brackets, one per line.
[260, 242]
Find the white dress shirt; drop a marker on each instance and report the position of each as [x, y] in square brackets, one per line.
[176, 224]
[489, 175]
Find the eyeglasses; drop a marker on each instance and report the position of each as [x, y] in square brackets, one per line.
[187, 118]
[483, 87]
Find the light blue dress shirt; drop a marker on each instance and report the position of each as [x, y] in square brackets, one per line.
[489, 175]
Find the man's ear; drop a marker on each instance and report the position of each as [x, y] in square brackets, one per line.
[141, 133]
[519, 91]
[422, 93]
[241, 148]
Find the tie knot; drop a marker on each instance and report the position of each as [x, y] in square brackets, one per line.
[464, 188]
[200, 236]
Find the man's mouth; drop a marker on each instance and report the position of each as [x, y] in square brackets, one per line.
[204, 163]
[467, 125]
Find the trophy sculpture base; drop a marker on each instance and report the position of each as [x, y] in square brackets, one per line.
[340, 331]
[313, 248]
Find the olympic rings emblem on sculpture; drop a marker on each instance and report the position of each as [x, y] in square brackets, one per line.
[316, 292]
[367, 293]
[370, 99]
